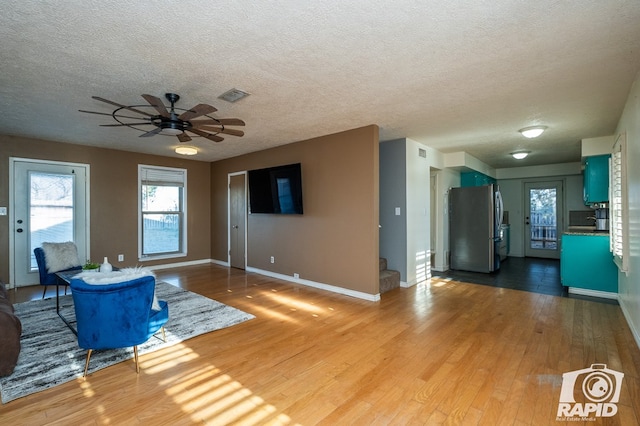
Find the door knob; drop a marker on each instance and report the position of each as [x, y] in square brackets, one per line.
[19, 230]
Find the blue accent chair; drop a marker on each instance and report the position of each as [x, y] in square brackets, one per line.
[118, 315]
[47, 278]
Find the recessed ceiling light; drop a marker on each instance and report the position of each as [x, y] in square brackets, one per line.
[533, 131]
[520, 154]
[186, 150]
[233, 95]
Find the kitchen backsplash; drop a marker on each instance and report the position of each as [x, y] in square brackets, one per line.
[580, 218]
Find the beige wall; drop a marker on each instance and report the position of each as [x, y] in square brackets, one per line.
[335, 241]
[114, 214]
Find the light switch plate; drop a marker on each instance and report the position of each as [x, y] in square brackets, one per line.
[397, 211]
[3, 211]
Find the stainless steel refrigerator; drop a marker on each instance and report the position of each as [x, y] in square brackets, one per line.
[475, 216]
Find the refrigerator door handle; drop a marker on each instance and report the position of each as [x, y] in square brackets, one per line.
[499, 209]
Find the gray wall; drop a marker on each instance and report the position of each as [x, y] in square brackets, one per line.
[393, 234]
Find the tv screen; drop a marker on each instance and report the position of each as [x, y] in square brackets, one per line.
[276, 190]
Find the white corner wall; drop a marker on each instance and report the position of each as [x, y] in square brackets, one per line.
[418, 214]
[629, 284]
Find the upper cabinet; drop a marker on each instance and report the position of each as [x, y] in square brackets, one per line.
[596, 179]
[475, 179]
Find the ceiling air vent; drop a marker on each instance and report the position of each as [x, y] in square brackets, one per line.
[422, 153]
[233, 95]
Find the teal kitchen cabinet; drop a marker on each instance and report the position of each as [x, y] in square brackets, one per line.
[596, 179]
[587, 263]
[475, 179]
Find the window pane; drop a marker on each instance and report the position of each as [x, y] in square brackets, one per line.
[162, 230]
[161, 198]
[161, 233]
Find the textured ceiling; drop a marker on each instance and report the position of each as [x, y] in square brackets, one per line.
[454, 75]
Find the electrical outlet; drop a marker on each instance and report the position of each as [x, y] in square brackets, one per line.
[296, 276]
[273, 259]
[121, 258]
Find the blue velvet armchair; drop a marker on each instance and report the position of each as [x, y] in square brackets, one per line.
[117, 315]
[48, 278]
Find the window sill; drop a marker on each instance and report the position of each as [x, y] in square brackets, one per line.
[161, 257]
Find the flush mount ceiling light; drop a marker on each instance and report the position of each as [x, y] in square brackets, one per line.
[520, 154]
[186, 150]
[533, 131]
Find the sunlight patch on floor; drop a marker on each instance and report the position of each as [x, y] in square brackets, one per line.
[208, 394]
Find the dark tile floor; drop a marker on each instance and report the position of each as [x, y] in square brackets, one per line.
[522, 273]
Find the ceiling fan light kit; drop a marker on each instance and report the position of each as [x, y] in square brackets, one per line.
[532, 131]
[173, 121]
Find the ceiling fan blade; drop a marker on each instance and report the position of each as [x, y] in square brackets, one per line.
[231, 121]
[197, 111]
[224, 130]
[125, 124]
[183, 137]
[151, 133]
[98, 98]
[206, 135]
[157, 104]
[112, 115]
[219, 121]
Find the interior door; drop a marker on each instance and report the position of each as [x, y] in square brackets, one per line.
[237, 220]
[543, 219]
[49, 204]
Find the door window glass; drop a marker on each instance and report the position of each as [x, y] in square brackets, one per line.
[544, 228]
[50, 210]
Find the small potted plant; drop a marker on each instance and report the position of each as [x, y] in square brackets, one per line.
[91, 266]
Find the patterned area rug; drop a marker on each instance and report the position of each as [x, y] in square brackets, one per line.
[50, 354]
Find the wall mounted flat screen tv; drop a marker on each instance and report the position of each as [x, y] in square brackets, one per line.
[276, 190]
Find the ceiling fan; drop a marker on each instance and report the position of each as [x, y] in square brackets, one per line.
[165, 121]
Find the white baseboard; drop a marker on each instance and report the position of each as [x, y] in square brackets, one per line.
[220, 262]
[321, 286]
[634, 331]
[179, 264]
[593, 293]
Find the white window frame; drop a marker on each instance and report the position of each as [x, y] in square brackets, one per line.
[163, 175]
[619, 204]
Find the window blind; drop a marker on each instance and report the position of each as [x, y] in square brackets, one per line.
[618, 209]
[162, 176]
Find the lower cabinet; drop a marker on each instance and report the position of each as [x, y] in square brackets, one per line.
[586, 263]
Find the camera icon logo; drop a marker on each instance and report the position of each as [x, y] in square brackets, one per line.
[590, 391]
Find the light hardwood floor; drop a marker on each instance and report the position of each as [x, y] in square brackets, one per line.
[440, 353]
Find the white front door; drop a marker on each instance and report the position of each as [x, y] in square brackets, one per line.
[50, 204]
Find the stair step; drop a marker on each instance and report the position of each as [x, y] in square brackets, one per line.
[383, 264]
[389, 280]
